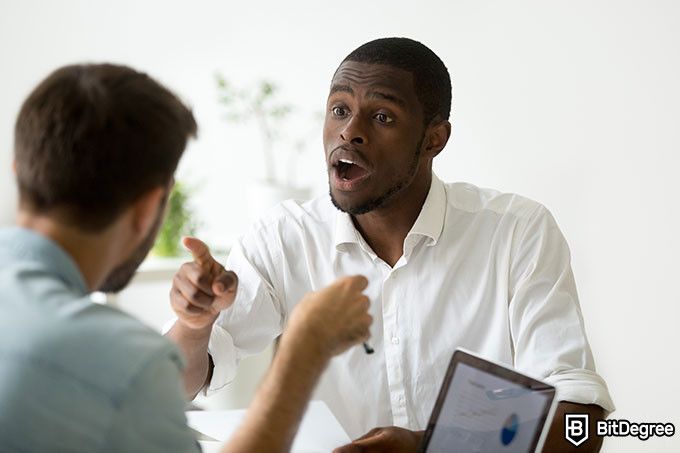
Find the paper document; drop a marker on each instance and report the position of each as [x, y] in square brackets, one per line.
[319, 430]
[210, 447]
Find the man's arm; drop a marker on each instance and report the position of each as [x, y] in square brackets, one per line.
[547, 327]
[389, 439]
[275, 413]
[324, 324]
[194, 345]
[200, 291]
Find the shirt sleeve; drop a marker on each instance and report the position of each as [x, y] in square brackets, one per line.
[150, 416]
[546, 323]
[256, 318]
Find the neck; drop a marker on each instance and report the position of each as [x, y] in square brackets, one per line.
[91, 252]
[385, 228]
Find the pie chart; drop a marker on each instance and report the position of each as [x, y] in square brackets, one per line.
[509, 430]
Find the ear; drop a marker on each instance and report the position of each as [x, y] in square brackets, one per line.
[436, 136]
[145, 209]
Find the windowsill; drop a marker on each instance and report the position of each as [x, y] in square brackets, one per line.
[153, 269]
[156, 268]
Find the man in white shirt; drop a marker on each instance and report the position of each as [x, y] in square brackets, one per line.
[448, 265]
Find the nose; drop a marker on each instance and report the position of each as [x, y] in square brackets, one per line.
[354, 132]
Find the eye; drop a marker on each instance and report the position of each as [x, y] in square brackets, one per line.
[339, 111]
[383, 118]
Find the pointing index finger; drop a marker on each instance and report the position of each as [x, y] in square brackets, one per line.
[199, 250]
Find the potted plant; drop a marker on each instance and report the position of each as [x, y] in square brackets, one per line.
[260, 104]
[179, 221]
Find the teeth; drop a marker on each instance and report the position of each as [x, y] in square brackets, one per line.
[346, 161]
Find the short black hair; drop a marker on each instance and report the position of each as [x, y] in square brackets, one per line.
[430, 76]
[91, 139]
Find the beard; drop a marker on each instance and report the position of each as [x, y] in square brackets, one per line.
[121, 275]
[388, 195]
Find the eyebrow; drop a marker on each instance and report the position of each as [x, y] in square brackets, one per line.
[341, 89]
[387, 97]
[372, 94]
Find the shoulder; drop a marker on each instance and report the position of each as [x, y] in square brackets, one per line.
[100, 346]
[75, 361]
[467, 197]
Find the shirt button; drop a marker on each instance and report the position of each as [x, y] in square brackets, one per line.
[402, 400]
[395, 340]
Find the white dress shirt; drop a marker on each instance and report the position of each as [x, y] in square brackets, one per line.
[480, 269]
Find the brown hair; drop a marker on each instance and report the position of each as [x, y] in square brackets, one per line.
[91, 139]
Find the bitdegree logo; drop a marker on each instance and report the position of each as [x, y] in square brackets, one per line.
[576, 428]
[626, 428]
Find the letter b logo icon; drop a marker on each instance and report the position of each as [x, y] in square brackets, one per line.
[576, 428]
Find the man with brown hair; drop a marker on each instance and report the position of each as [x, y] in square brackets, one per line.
[96, 147]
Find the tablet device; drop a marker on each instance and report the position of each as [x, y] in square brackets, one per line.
[487, 407]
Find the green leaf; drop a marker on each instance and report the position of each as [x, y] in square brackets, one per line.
[280, 111]
[178, 222]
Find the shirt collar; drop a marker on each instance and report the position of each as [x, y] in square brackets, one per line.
[430, 221]
[429, 224]
[23, 244]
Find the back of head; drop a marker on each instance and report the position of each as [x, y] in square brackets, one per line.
[91, 139]
[430, 76]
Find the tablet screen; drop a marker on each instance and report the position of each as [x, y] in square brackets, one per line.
[483, 412]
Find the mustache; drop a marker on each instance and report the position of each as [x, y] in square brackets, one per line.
[349, 148]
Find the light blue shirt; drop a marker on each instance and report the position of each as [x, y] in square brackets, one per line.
[76, 376]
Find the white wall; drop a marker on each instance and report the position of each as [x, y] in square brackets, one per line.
[575, 104]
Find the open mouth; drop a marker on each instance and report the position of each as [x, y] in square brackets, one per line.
[348, 170]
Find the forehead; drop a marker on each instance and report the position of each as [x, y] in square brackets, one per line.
[364, 76]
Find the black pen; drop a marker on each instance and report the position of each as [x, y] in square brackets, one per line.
[368, 349]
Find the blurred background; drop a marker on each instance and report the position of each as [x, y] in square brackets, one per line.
[575, 104]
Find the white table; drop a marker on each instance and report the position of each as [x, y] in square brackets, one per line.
[319, 431]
